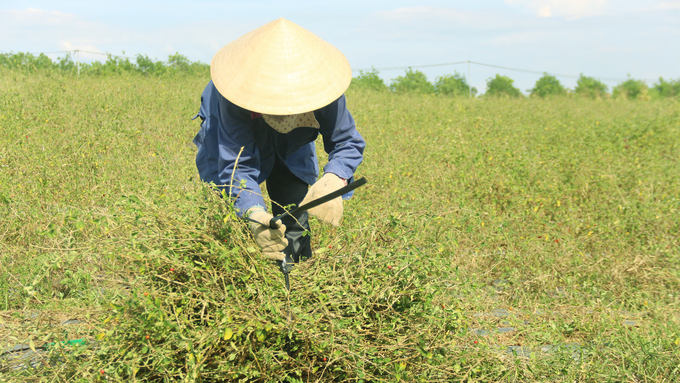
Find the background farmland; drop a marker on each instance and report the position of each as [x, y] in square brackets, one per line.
[499, 239]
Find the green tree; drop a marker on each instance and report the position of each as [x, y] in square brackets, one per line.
[454, 85]
[25, 61]
[412, 82]
[176, 64]
[179, 62]
[43, 62]
[631, 89]
[112, 65]
[590, 87]
[666, 88]
[369, 80]
[548, 86]
[66, 63]
[501, 86]
[147, 66]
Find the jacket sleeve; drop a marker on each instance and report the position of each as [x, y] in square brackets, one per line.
[343, 143]
[238, 163]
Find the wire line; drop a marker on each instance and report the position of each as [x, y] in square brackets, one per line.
[81, 51]
[489, 65]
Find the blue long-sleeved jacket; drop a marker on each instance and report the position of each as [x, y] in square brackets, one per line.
[226, 128]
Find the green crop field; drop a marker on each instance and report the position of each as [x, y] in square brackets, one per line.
[512, 240]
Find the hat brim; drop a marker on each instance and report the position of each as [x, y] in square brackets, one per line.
[280, 68]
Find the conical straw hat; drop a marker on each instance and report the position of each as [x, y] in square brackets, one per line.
[280, 68]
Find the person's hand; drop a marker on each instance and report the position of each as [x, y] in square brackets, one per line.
[271, 241]
[331, 211]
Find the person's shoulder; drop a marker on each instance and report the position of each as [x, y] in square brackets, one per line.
[336, 105]
[209, 92]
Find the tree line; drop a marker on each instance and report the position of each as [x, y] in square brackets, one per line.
[502, 86]
[413, 81]
[176, 64]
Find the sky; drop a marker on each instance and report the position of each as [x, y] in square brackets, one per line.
[611, 40]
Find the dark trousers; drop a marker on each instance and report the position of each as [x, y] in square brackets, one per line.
[284, 189]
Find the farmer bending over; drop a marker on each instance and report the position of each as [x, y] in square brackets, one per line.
[273, 91]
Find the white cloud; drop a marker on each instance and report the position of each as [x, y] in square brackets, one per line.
[84, 51]
[569, 9]
[669, 5]
[38, 17]
[431, 21]
[32, 28]
[69, 46]
[413, 14]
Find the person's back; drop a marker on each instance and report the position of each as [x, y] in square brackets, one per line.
[273, 91]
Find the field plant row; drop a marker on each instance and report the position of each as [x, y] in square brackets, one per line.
[557, 218]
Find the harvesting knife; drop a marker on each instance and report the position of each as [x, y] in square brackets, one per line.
[274, 222]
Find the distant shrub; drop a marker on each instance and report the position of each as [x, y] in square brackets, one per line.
[454, 85]
[548, 86]
[590, 87]
[666, 88]
[369, 80]
[501, 86]
[412, 82]
[631, 89]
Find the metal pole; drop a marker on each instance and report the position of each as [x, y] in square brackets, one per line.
[469, 80]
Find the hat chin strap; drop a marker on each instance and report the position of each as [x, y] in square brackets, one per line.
[285, 124]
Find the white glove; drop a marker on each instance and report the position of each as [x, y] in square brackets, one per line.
[331, 211]
[271, 241]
